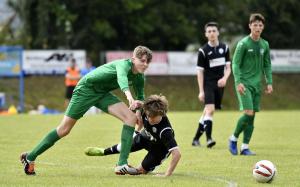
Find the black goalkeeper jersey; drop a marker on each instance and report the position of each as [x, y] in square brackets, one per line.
[213, 60]
[161, 133]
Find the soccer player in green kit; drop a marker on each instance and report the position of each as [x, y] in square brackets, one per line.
[251, 61]
[94, 89]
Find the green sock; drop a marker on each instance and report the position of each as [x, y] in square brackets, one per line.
[248, 131]
[126, 143]
[241, 125]
[45, 144]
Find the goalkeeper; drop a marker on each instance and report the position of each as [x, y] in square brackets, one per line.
[157, 138]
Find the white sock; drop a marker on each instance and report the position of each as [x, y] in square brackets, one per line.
[201, 119]
[244, 146]
[119, 147]
[233, 138]
[207, 118]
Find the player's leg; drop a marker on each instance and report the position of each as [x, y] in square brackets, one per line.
[153, 159]
[246, 104]
[112, 105]
[199, 131]
[48, 141]
[248, 131]
[121, 111]
[208, 124]
[137, 144]
[210, 108]
[79, 104]
[210, 97]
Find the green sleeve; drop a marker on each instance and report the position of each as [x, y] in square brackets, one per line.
[237, 61]
[267, 66]
[122, 71]
[138, 87]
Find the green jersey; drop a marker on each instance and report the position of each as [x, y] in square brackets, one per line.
[114, 75]
[251, 60]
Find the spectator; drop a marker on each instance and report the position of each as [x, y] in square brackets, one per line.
[71, 79]
[88, 67]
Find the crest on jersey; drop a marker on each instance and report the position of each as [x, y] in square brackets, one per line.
[154, 129]
[261, 51]
[221, 50]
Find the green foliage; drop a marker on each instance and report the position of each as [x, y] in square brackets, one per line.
[162, 25]
[66, 165]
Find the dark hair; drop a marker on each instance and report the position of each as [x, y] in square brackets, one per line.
[211, 24]
[156, 105]
[256, 17]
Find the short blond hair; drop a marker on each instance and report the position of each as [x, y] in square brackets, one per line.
[140, 51]
[156, 105]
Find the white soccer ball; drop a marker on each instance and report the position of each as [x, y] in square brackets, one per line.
[264, 171]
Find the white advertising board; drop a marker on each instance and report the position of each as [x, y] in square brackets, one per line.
[51, 61]
[182, 63]
[285, 60]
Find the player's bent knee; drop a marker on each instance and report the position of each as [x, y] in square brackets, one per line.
[65, 127]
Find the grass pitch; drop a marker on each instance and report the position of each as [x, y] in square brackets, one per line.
[275, 138]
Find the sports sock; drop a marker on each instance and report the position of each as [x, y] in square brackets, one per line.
[248, 131]
[199, 132]
[126, 142]
[111, 150]
[208, 129]
[233, 138]
[47, 142]
[244, 146]
[241, 124]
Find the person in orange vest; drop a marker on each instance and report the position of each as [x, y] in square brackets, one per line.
[71, 79]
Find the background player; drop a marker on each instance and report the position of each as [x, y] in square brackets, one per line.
[157, 138]
[213, 71]
[250, 61]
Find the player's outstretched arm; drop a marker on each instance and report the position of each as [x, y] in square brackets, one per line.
[176, 155]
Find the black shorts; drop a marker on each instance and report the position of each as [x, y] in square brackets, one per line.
[69, 91]
[157, 153]
[213, 94]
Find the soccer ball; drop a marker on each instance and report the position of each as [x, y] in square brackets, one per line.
[264, 171]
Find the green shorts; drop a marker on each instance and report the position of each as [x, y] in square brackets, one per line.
[84, 97]
[250, 100]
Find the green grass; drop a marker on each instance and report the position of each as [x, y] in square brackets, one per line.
[275, 138]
